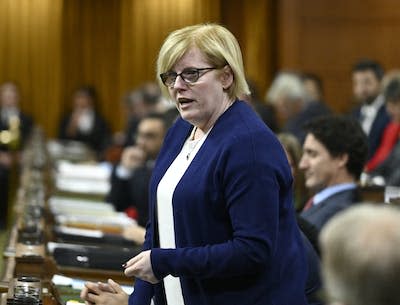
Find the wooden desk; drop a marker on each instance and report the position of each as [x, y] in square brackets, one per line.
[95, 275]
[372, 194]
[35, 187]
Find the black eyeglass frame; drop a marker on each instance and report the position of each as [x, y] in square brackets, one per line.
[164, 76]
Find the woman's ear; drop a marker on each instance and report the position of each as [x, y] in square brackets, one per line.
[226, 77]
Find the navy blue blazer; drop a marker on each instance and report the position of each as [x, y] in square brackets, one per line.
[319, 214]
[236, 234]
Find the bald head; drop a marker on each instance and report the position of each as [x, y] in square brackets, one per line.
[361, 255]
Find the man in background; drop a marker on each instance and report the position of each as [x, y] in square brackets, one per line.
[370, 110]
[130, 178]
[293, 104]
[334, 153]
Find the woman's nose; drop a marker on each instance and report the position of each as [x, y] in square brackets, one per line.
[179, 83]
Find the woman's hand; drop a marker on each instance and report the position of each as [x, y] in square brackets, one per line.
[140, 267]
[109, 293]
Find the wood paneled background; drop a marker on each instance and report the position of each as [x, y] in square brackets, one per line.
[51, 47]
[328, 37]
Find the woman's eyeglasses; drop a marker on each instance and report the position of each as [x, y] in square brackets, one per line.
[189, 75]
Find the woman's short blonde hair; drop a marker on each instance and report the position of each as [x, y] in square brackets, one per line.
[217, 44]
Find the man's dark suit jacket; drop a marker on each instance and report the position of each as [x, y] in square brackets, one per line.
[314, 281]
[132, 192]
[378, 126]
[319, 214]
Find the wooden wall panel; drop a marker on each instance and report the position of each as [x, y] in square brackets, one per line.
[253, 22]
[145, 25]
[113, 44]
[90, 50]
[53, 46]
[259, 42]
[30, 54]
[327, 37]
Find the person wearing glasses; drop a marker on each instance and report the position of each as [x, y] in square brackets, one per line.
[222, 226]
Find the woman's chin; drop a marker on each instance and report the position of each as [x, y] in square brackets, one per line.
[187, 115]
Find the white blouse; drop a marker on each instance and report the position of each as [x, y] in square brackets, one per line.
[165, 217]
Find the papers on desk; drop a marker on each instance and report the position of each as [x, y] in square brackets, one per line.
[83, 178]
[76, 206]
[79, 232]
[87, 214]
[69, 150]
[392, 194]
[78, 283]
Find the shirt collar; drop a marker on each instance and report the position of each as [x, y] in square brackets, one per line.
[375, 105]
[331, 190]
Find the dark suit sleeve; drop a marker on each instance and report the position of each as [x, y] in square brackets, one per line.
[314, 282]
[62, 128]
[310, 231]
[119, 194]
[100, 137]
[131, 192]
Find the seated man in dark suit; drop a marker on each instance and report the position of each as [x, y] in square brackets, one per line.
[130, 178]
[334, 153]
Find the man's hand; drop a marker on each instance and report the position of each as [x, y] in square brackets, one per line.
[132, 157]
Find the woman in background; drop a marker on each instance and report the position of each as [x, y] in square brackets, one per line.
[84, 123]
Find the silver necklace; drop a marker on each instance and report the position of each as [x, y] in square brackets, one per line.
[192, 143]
